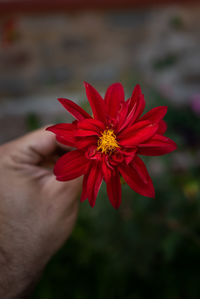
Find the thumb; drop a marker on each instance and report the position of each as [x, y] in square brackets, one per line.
[35, 147]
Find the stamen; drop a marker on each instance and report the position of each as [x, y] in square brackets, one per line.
[107, 143]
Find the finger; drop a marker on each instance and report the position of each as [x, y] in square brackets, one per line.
[63, 193]
[74, 185]
[35, 147]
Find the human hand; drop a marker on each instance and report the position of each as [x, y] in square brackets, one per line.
[37, 213]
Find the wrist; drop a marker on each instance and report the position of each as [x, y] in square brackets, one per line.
[19, 270]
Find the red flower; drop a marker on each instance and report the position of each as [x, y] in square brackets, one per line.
[109, 143]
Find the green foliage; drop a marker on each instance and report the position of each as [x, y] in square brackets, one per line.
[165, 62]
[176, 22]
[32, 122]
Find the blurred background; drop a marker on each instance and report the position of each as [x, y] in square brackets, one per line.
[148, 248]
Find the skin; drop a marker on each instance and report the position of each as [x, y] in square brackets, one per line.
[37, 213]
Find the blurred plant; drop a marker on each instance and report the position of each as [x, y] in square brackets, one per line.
[176, 22]
[165, 62]
[32, 121]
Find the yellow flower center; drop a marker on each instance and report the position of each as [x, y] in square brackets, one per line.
[107, 143]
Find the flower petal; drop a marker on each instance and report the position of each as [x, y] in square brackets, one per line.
[65, 133]
[116, 158]
[70, 166]
[158, 145]
[84, 133]
[107, 171]
[135, 106]
[137, 177]
[84, 194]
[89, 127]
[136, 103]
[140, 167]
[92, 183]
[137, 134]
[62, 129]
[85, 142]
[129, 154]
[91, 124]
[162, 127]
[65, 142]
[74, 109]
[114, 189]
[113, 98]
[155, 115]
[128, 119]
[122, 116]
[96, 102]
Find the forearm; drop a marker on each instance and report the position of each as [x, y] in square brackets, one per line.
[20, 267]
[16, 283]
[17, 277]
